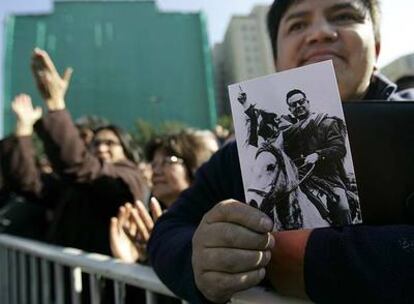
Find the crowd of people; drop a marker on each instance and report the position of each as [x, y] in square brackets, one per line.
[89, 187]
[180, 207]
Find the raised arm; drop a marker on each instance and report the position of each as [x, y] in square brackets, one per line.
[63, 144]
[18, 154]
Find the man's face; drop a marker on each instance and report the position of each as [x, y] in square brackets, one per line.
[341, 30]
[298, 106]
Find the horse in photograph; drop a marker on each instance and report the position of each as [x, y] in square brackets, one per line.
[275, 189]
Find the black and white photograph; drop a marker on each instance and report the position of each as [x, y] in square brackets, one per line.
[293, 147]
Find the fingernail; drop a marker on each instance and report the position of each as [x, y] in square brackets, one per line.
[262, 273]
[272, 241]
[266, 223]
[268, 255]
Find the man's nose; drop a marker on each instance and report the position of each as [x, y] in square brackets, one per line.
[321, 31]
[157, 168]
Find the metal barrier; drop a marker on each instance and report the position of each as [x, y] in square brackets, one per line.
[35, 272]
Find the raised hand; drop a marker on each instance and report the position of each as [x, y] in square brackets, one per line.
[51, 85]
[242, 97]
[26, 114]
[231, 248]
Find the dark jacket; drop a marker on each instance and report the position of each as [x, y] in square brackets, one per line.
[323, 135]
[85, 192]
[342, 265]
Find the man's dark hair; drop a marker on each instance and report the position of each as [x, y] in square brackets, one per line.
[279, 8]
[294, 92]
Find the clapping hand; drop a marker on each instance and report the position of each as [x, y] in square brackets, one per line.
[131, 230]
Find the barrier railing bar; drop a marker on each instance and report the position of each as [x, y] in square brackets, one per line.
[119, 293]
[94, 289]
[5, 277]
[150, 297]
[13, 277]
[59, 284]
[45, 274]
[76, 284]
[34, 280]
[22, 266]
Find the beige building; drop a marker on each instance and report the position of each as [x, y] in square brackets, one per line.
[244, 54]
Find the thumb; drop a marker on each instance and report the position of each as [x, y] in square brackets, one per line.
[67, 75]
[38, 112]
[156, 210]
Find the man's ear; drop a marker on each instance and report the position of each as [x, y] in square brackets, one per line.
[275, 62]
[377, 49]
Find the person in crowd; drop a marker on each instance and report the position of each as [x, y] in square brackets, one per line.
[222, 134]
[174, 159]
[22, 214]
[87, 125]
[101, 177]
[219, 245]
[4, 191]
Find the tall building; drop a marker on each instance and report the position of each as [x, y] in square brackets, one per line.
[7, 8]
[403, 66]
[130, 61]
[244, 54]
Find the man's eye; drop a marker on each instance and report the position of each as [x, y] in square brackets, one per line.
[296, 26]
[347, 18]
[271, 167]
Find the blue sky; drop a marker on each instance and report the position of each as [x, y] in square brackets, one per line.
[398, 19]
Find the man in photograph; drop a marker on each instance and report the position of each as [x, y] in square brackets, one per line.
[316, 142]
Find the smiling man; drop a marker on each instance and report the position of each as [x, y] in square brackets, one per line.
[210, 244]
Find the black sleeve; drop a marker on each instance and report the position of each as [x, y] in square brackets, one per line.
[170, 246]
[75, 163]
[361, 264]
[66, 150]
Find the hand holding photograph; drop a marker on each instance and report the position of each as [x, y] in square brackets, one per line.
[294, 150]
